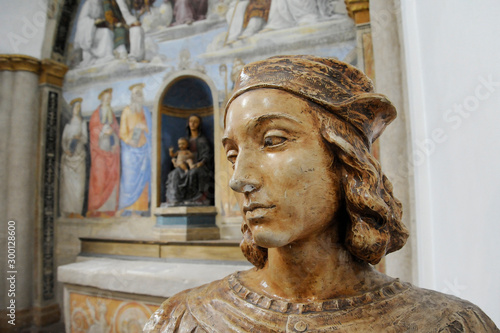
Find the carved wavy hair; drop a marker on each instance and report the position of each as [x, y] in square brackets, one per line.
[371, 214]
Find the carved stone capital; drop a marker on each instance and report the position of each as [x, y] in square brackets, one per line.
[359, 10]
[52, 72]
[18, 62]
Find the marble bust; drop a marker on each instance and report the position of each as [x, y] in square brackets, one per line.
[317, 210]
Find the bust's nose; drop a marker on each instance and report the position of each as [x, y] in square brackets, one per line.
[245, 177]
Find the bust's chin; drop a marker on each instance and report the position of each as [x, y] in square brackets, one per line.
[269, 239]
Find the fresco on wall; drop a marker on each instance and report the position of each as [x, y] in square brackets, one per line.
[211, 37]
[104, 178]
[126, 32]
[73, 163]
[113, 176]
[104, 314]
[113, 29]
[274, 26]
[135, 141]
[246, 18]
[189, 11]
[108, 30]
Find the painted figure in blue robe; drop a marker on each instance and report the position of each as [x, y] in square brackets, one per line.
[135, 135]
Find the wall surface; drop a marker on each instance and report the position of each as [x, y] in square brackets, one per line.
[394, 148]
[207, 50]
[454, 92]
[453, 82]
[23, 27]
[211, 50]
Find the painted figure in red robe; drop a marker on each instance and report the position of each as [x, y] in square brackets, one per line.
[105, 159]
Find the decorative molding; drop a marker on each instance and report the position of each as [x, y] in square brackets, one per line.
[192, 249]
[358, 10]
[184, 113]
[19, 62]
[52, 72]
[46, 315]
[48, 198]
[24, 318]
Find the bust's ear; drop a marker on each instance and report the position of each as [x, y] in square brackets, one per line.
[370, 113]
[374, 225]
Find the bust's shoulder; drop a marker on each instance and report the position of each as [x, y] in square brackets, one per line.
[228, 306]
[174, 315]
[428, 310]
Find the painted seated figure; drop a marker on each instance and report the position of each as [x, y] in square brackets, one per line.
[317, 211]
[193, 186]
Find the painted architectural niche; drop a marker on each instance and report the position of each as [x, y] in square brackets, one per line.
[186, 169]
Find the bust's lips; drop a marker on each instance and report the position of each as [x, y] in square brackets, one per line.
[256, 205]
[256, 210]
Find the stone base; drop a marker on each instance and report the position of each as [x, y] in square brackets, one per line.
[230, 228]
[24, 318]
[186, 233]
[38, 316]
[186, 223]
[126, 292]
[46, 315]
[213, 250]
[122, 312]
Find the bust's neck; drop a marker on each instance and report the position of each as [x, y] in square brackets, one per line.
[313, 270]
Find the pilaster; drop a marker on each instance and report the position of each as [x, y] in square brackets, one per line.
[30, 90]
[46, 309]
[395, 143]
[358, 10]
[19, 115]
[52, 72]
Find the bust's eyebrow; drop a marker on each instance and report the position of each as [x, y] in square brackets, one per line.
[273, 116]
[263, 119]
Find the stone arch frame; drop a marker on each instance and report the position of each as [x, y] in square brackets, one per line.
[168, 82]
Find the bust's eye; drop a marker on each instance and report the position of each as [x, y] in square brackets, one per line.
[231, 156]
[273, 140]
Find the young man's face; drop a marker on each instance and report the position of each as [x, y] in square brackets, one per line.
[282, 168]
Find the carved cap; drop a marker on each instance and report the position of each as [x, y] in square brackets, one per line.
[339, 88]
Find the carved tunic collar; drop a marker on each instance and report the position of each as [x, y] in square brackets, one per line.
[336, 304]
[228, 306]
